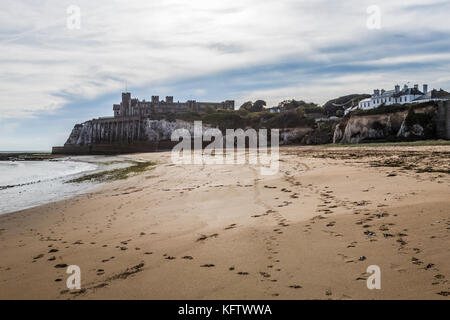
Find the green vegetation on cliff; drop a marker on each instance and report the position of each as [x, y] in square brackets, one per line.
[332, 107]
[229, 119]
[384, 109]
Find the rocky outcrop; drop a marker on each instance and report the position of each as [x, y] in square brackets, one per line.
[316, 137]
[357, 128]
[339, 130]
[293, 135]
[406, 131]
[378, 126]
[160, 130]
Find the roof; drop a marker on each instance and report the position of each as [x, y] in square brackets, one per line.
[386, 94]
[434, 94]
[408, 91]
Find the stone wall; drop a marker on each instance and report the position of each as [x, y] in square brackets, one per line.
[115, 148]
[443, 120]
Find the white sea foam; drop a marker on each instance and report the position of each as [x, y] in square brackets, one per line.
[25, 184]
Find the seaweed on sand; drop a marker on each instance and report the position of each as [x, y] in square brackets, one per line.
[116, 174]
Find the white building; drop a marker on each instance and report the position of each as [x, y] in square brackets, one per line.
[397, 96]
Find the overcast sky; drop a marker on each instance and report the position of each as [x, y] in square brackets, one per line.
[53, 76]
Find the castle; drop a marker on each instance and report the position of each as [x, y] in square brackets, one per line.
[128, 130]
[133, 107]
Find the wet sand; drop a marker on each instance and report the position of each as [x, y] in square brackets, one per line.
[226, 232]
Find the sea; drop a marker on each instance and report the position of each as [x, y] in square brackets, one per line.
[26, 184]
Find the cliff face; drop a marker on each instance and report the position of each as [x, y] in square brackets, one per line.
[161, 130]
[81, 135]
[371, 127]
[357, 128]
[153, 131]
[339, 130]
[293, 135]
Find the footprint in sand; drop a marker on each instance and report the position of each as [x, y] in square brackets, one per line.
[106, 260]
[204, 237]
[295, 286]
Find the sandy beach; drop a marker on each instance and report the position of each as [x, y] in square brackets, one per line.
[227, 232]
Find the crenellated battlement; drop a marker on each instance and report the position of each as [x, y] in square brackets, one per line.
[134, 107]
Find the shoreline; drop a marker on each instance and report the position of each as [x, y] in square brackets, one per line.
[29, 183]
[307, 233]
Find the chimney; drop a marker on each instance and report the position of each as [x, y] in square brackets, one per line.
[383, 91]
[397, 89]
[425, 89]
[416, 86]
[169, 99]
[155, 99]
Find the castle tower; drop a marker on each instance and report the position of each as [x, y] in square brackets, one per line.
[169, 99]
[126, 104]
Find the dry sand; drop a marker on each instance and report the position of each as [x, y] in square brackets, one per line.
[207, 232]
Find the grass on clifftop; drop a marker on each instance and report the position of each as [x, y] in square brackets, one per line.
[116, 174]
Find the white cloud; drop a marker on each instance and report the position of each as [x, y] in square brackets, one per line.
[44, 65]
[321, 90]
